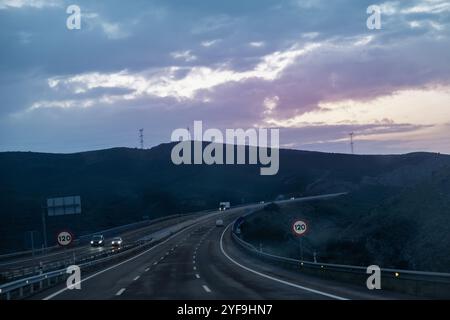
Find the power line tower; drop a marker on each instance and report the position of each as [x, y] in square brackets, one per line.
[352, 144]
[141, 138]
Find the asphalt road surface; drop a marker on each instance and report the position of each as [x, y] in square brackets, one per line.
[203, 262]
[86, 250]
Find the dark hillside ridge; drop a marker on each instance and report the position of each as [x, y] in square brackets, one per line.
[123, 185]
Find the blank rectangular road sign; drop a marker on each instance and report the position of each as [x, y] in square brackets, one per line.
[64, 205]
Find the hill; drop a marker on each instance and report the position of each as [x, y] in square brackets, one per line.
[122, 185]
[403, 227]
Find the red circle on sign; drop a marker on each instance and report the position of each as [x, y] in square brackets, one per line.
[64, 238]
[293, 227]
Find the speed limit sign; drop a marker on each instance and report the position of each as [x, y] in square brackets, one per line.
[299, 227]
[64, 238]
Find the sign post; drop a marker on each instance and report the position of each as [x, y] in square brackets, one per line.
[58, 207]
[299, 228]
[44, 228]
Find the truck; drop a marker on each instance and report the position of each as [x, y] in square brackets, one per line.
[224, 206]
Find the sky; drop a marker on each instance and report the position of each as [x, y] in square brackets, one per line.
[313, 69]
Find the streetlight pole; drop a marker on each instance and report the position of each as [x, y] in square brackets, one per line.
[44, 227]
[32, 243]
[301, 249]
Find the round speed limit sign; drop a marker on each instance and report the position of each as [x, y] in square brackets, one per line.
[64, 238]
[299, 227]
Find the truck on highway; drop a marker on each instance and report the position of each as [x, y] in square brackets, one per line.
[224, 206]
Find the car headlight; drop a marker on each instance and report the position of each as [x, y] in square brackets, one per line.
[101, 241]
[92, 242]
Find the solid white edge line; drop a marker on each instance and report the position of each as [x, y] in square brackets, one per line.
[120, 263]
[206, 288]
[273, 278]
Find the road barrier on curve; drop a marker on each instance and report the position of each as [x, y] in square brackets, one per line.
[63, 253]
[28, 286]
[420, 283]
[108, 232]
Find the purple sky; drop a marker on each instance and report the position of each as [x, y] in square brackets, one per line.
[311, 68]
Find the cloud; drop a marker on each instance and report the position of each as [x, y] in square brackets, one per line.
[165, 83]
[114, 30]
[210, 43]
[270, 103]
[184, 55]
[257, 44]
[38, 4]
[293, 64]
[431, 7]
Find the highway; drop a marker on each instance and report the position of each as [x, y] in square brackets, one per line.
[203, 262]
[59, 255]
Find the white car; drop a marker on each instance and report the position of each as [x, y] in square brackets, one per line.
[116, 242]
[219, 223]
[292, 198]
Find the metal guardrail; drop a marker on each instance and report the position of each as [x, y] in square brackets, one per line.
[438, 276]
[430, 280]
[110, 232]
[9, 275]
[53, 277]
[30, 285]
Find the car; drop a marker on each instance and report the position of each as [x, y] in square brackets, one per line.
[219, 223]
[262, 202]
[97, 241]
[116, 242]
[292, 198]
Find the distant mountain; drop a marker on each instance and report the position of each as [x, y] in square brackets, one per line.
[122, 185]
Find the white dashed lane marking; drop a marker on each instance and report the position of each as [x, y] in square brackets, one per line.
[120, 292]
[206, 288]
[197, 276]
[137, 277]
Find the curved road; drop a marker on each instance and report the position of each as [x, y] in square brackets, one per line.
[203, 262]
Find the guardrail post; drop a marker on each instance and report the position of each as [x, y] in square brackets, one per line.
[21, 292]
[32, 288]
[8, 295]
